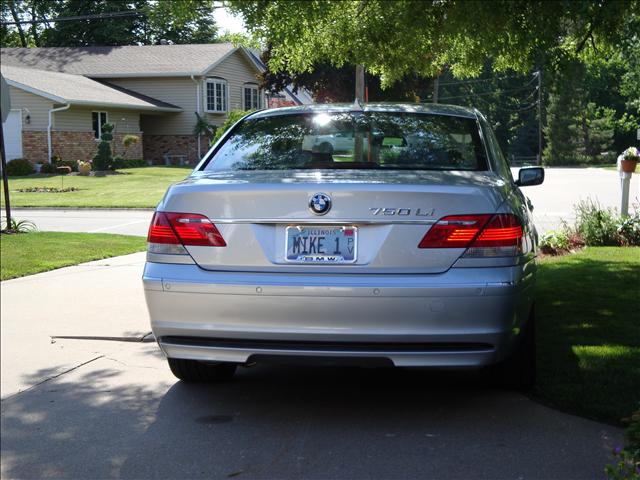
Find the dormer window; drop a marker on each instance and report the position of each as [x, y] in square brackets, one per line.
[250, 97]
[216, 92]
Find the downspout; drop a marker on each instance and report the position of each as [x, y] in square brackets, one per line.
[53, 110]
[197, 111]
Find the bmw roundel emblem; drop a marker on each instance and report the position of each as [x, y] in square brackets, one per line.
[320, 203]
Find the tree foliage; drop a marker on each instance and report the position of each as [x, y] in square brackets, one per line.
[393, 39]
[184, 21]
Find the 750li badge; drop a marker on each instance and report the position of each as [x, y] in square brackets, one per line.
[420, 212]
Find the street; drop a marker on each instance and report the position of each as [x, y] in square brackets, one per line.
[553, 202]
[105, 405]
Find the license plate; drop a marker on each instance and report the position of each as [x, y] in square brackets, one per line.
[321, 244]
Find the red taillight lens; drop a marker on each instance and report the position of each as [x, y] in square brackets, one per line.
[503, 230]
[454, 231]
[487, 232]
[185, 229]
[160, 230]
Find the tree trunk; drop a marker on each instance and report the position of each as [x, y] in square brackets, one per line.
[14, 14]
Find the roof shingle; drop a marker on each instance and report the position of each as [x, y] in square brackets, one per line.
[166, 60]
[79, 90]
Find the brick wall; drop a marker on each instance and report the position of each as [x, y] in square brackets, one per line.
[73, 146]
[155, 147]
[34, 146]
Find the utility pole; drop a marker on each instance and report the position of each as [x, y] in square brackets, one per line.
[436, 87]
[539, 73]
[360, 83]
[359, 137]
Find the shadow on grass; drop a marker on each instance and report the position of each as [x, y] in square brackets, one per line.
[588, 312]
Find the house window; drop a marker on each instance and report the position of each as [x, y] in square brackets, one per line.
[251, 97]
[216, 95]
[98, 119]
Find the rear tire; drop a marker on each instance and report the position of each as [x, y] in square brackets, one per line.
[194, 371]
[519, 370]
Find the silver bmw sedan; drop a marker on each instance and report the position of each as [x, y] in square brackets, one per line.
[383, 234]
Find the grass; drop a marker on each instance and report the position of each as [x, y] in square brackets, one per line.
[29, 253]
[588, 321]
[137, 188]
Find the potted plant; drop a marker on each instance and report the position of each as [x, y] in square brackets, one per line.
[630, 158]
[84, 168]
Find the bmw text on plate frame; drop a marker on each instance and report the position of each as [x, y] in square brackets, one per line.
[428, 259]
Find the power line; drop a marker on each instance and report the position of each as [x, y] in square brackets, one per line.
[477, 80]
[98, 16]
[487, 93]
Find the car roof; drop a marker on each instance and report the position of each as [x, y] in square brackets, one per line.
[426, 108]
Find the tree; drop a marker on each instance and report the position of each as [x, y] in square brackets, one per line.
[151, 22]
[403, 37]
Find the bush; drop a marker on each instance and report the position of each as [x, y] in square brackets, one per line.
[629, 229]
[103, 159]
[555, 242]
[119, 162]
[19, 167]
[234, 116]
[72, 164]
[627, 466]
[48, 168]
[129, 140]
[597, 226]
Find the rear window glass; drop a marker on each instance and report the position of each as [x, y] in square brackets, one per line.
[394, 141]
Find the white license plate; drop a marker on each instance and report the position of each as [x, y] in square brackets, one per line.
[321, 244]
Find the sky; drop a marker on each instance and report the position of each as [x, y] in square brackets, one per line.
[226, 21]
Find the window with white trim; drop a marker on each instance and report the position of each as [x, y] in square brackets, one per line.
[98, 119]
[216, 95]
[250, 97]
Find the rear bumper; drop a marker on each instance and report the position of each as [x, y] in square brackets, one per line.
[466, 317]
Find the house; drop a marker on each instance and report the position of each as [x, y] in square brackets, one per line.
[61, 97]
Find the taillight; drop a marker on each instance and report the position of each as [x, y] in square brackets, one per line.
[170, 232]
[482, 235]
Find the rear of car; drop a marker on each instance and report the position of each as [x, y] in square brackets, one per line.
[385, 235]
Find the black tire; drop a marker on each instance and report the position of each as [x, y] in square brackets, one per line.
[194, 371]
[519, 370]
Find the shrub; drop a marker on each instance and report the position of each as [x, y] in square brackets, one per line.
[596, 226]
[234, 116]
[103, 159]
[629, 229]
[72, 164]
[18, 226]
[627, 466]
[48, 168]
[119, 162]
[129, 140]
[19, 167]
[555, 242]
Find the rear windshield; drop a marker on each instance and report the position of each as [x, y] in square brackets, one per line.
[373, 140]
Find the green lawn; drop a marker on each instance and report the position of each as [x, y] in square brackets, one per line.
[29, 253]
[137, 187]
[588, 313]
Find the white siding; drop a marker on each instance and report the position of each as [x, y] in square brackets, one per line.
[237, 70]
[177, 91]
[78, 119]
[35, 106]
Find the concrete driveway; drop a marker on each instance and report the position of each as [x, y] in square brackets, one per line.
[553, 202]
[106, 405]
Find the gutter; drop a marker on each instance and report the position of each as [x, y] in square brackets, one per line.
[197, 111]
[53, 110]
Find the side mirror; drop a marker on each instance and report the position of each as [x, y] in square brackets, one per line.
[530, 176]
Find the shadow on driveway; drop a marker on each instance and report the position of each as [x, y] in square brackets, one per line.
[123, 420]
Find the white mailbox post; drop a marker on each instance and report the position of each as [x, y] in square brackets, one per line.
[625, 177]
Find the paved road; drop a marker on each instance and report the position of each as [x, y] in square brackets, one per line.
[553, 202]
[97, 408]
